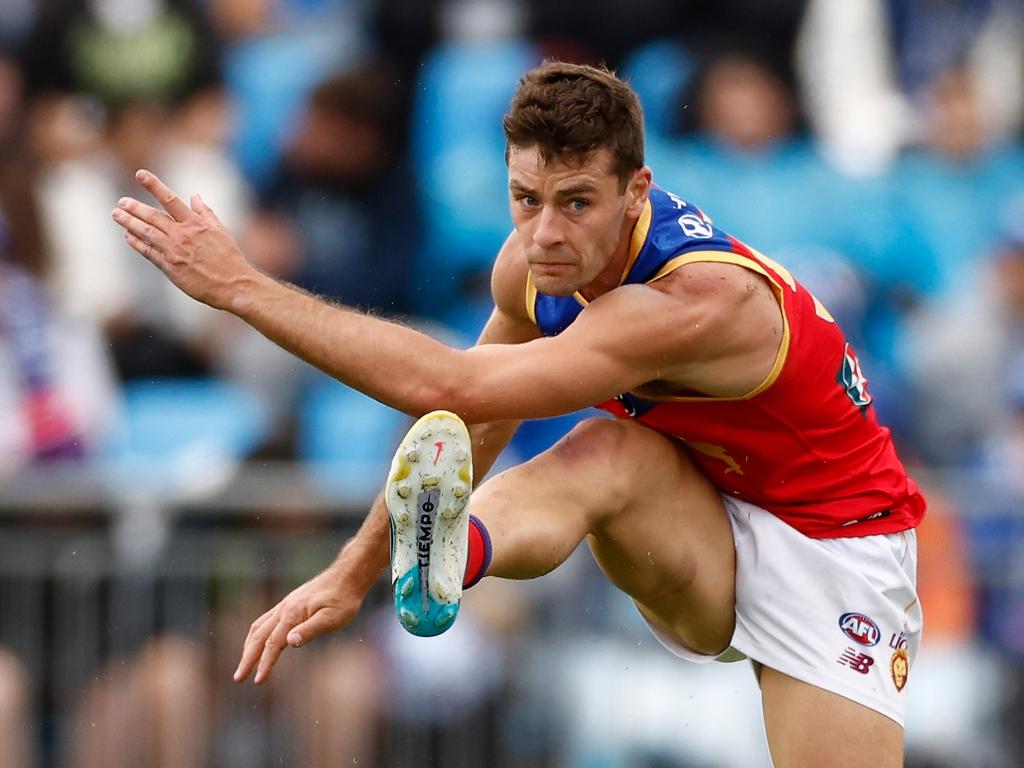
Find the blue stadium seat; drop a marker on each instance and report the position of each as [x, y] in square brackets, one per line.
[458, 153]
[346, 440]
[659, 71]
[182, 435]
[270, 78]
[958, 207]
[759, 197]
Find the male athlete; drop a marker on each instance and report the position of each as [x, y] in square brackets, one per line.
[746, 498]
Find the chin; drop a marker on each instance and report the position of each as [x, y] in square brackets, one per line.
[554, 287]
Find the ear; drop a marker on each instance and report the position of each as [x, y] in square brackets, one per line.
[637, 191]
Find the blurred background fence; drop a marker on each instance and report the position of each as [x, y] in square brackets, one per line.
[166, 475]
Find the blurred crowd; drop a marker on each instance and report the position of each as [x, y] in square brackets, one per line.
[353, 147]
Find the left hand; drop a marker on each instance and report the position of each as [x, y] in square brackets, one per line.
[189, 245]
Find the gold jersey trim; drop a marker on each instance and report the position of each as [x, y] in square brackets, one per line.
[724, 257]
[638, 238]
[531, 297]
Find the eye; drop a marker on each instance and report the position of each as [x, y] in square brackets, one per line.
[527, 201]
[579, 204]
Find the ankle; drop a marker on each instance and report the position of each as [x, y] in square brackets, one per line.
[479, 555]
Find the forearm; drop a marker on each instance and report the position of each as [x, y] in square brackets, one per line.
[365, 556]
[399, 366]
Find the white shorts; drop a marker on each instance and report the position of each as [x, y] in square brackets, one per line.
[841, 614]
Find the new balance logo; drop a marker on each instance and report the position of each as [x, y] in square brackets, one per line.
[858, 662]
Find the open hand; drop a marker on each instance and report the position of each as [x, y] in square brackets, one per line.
[323, 604]
[188, 244]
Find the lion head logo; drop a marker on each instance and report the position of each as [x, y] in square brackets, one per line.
[899, 666]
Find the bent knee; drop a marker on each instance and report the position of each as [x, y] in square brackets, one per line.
[607, 438]
[623, 444]
[611, 456]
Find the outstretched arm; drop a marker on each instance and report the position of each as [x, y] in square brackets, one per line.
[625, 338]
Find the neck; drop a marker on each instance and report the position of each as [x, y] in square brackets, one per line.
[611, 276]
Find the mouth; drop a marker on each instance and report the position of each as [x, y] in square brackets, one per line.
[550, 264]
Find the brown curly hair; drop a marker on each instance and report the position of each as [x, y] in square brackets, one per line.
[568, 111]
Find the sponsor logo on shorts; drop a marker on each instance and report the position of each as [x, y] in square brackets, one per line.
[899, 668]
[897, 642]
[858, 662]
[860, 628]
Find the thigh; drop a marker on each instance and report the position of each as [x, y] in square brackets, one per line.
[669, 543]
[807, 725]
[656, 525]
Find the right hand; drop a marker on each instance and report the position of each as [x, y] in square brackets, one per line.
[188, 244]
[323, 604]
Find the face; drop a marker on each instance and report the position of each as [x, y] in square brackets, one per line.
[574, 220]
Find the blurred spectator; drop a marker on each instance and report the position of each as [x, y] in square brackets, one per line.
[16, 747]
[943, 730]
[88, 162]
[119, 51]
[16, 20]
[958, 182]
[743, 143]
[56, 392]
[866, 67]
[276, 52]
[350, 205]
[153, 710]
[458, 159]
[990, 490]
[961, 347]
[980, 36]
[765, 29]
[97, 277]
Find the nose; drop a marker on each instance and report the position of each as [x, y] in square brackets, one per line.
[549, 231]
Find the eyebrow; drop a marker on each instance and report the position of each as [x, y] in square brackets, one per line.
[578, 189]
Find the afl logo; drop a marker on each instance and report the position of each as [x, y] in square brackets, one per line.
[860, 629]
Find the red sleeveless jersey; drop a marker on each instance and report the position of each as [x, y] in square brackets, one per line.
[805, 444]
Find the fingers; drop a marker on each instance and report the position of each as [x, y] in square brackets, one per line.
[146, 213]
[144, 248]
[253, 646]
[199, 206]
[148, 234]
[320, 622]
[268, 637]
[272, 649]
[163, 194]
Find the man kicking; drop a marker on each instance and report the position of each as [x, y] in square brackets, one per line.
[746, 498]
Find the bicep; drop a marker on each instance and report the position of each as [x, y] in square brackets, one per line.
[613, 346]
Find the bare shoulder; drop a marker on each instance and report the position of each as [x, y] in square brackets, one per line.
[509, 279]
[726, 323]
[733, 292]
[713, 279]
